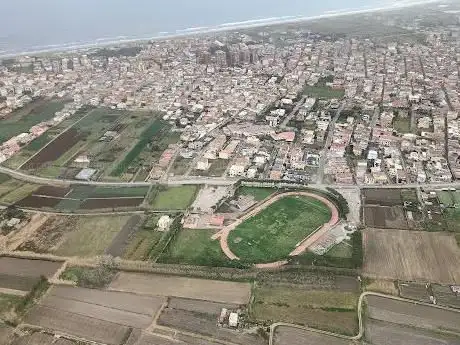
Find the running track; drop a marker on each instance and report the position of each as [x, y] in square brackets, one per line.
[308, 241]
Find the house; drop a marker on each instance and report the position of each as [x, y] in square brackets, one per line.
[202, 164]
[239, 166]
[164, 223]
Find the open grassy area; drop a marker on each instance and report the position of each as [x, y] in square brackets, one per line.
[402, 124]
[323, 91]
[92, 235]
[329, 310]
[174, 198]
[258, 193]
[4, 178]
[452, 218]
[445, 198]
[273, 233]
[195, 247]
[30, 115]
[7, 304]
[341, 250]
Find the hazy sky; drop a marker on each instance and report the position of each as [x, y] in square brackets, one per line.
[26, 24]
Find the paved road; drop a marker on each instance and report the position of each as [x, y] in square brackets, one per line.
[218, 181]
[330, 134]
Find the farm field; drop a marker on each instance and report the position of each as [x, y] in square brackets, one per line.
[92, 235]
[174, 198]
[77, 197]
[205, 324]
[158, 285]
[121, 240]
[413, 315]
[52, 160]
[13, 190]
[95, 315]
[341, 250]
[382, 197]
[194, 247]
[23, 274]
[30, 115]
[385, 217]
[143, 241]
[6, 333]
[133, 158]
[294, 336]
[386, 333]
[411, 256]
[274, 232]
[330, 310]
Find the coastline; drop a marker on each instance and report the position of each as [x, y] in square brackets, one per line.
[181, 33]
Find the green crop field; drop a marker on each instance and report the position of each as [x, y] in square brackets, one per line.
[32, 114]
[273, 233]
[107, 192]
[144, 140]
[194, 247]
[174, 198]
[258, 193]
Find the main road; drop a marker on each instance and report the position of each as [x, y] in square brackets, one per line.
[215, 181]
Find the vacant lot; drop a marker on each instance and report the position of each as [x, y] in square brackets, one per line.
[101, 316]
[174, 198]
[385, 217]
[274, 232]
[386, 333]
[381, 196]
[23, 274]
[323, 91]
[404, 255]
[410, 314]
[259, 194]
[142, 242]
[194, 247]
[294, 336]
[208, 290]
[334, 311]
[92, 235]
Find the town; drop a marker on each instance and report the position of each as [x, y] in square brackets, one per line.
[282, 105]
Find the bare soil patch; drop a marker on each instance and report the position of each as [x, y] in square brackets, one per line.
[295, 336]
[33, 201]
[385, 217]
[158, 285]
[411, 256]
[49, 236]
[203, 307]
[57, 192]
[381, 196]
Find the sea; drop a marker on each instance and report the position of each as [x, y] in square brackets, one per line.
[28, 26]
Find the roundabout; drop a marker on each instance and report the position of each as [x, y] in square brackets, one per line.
[282, 226]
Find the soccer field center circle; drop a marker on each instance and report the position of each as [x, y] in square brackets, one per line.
[296, 250]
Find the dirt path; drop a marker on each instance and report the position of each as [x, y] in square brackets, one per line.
[224, 233]
[19, 236]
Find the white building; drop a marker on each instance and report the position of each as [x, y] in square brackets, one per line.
[164, 223]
